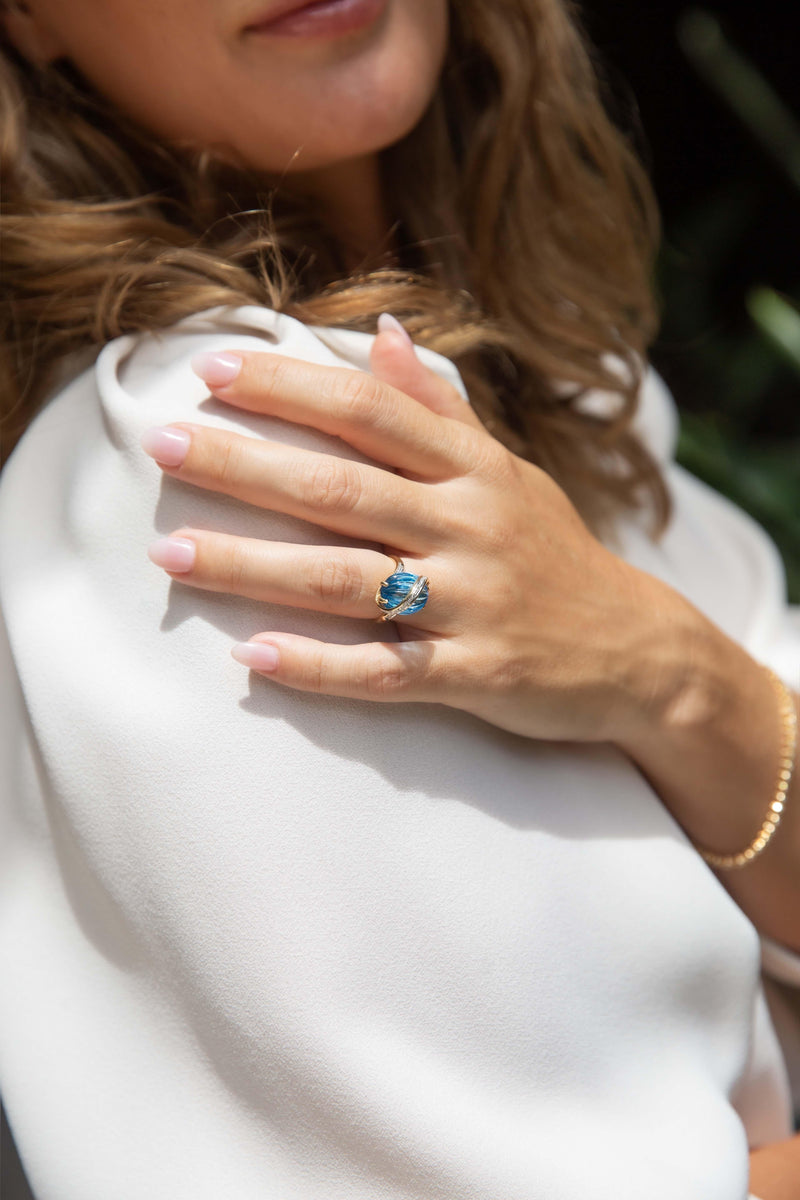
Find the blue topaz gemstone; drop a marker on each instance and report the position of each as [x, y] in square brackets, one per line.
[394, 590]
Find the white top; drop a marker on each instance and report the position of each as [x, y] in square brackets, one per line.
[267, 945]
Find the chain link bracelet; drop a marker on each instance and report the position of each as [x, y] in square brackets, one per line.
[775, 810]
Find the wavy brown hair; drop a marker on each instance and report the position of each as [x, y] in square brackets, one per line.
[525, 223]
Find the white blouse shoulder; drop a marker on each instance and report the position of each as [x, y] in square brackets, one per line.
[263, 943]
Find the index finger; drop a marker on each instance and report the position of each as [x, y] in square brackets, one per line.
[370, 415]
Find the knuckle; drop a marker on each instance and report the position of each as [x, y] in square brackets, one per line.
[503, 673]
[327, 485]
[315, 674]
[271, 373]
[228, 461]
[337, 581]
[486, 527]
[498, 536]
[385, 680]
[233, 564]
[359, 397]
[492, 462]
[449, 514]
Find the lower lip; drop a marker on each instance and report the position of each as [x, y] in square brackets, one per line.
[326, 19]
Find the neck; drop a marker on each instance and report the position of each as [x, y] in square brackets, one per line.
[351, 199]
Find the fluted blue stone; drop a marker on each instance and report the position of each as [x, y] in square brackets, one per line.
[394, 590]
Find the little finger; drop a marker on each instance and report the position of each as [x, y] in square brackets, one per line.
[386, 671]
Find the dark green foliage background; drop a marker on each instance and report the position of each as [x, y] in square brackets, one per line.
[712, 97]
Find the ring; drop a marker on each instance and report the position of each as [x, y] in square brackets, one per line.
[401, 593]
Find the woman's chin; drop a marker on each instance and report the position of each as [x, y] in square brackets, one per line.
[361, 137]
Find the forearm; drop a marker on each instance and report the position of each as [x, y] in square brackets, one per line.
[709, 743]
[775, 1170]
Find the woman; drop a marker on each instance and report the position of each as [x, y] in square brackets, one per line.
[294, 942]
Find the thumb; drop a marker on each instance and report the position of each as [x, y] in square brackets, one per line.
[393, 360]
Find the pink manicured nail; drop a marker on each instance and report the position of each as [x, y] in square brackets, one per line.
[216, 368]
[172, 553]
[387, 322]
[166, 445]
[261, 656]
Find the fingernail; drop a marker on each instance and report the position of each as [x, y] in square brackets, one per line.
[261, 656]
[216, 368]
[387, 322]
[172, 553]
[166, 445]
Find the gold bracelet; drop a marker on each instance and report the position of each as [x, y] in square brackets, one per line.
[775, 810]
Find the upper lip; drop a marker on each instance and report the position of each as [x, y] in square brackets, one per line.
[279, 9]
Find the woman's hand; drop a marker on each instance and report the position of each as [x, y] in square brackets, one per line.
[775, 1170]
[531, 623]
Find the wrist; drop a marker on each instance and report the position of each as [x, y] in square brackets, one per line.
[674, 684]
[709, 737]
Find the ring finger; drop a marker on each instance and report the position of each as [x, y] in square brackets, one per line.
[335, 579]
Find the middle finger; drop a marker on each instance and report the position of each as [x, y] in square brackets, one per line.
[351, 498]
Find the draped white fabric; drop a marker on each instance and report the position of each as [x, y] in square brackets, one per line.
[261, 944]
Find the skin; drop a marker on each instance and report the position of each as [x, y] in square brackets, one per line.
[775, 1171]
[318, 108]
[702, 744]
[689, 706]
[693, 711]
